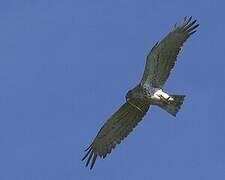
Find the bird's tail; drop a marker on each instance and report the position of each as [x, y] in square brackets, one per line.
[174, 106]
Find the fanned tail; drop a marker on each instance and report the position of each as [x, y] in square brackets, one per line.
[174, 106]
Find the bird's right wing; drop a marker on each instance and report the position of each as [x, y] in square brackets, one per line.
[118, 126]
[163, 55]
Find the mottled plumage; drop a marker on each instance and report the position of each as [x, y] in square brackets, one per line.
[159, 63]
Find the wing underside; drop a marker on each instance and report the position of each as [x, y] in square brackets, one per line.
[163, 55]
[118, 126]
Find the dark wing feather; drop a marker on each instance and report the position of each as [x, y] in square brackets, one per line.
[163, 55]
[118, 126]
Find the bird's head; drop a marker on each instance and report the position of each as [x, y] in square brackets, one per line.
[133, 93]
[129, 95]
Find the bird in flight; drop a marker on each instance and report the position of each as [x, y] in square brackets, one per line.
[160, 61]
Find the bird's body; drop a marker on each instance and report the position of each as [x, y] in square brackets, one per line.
[149, 91]
[156, 96]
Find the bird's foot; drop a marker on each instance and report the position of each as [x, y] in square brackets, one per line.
[165, 100]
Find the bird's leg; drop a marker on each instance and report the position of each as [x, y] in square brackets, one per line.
[164, 97]
[164, 100]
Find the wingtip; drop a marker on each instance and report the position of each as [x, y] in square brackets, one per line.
[88, 147]
[187, 17]
[189, 26]
[85, 156]
[91, 157]
[93, 161]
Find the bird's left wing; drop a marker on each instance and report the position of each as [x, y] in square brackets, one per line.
[163, 55]
[118, 126]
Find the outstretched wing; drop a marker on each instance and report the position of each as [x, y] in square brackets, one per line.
[118, 126]
[163, 55]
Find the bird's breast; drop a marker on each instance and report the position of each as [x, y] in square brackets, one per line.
[150, 91]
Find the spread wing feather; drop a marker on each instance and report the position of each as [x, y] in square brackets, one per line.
[118, 126]
[163, 55]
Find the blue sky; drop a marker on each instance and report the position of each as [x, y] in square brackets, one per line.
[65, 67]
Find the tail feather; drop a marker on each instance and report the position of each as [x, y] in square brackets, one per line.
[174, 106]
